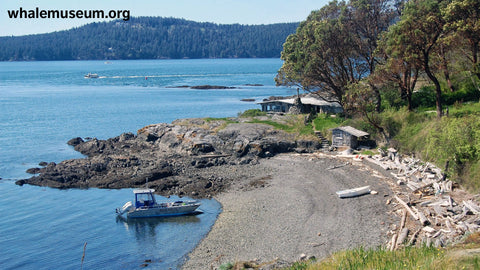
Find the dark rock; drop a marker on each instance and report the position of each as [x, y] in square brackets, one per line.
[75, 141]
[175, 158]
[33, 170]
[21, 182]
[207, 87]
[202, 148]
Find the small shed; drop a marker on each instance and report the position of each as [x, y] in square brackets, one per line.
[347, 136]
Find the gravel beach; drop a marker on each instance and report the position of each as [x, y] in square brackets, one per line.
[289, 207]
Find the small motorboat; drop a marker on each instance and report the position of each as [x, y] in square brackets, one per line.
[91, 76]
[145, 205]
[354, 192]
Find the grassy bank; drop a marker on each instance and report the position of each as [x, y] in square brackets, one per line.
[451, 142]
[463, 256]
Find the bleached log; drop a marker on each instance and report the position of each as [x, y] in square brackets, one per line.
[402, 236]
[394, 242]
[413, 238]
[439, 211]
[406, 207]
[404, 219]
[423, 187]
[421, 217]
[413, 186]
[472, 207]
[428, 229]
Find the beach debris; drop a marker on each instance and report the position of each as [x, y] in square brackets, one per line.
[339, 166]
[354, 192]
[431, 211]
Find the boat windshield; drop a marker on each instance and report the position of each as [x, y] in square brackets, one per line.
[144, 199]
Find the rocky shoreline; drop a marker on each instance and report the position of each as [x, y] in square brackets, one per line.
[190, 157]
[276, 189]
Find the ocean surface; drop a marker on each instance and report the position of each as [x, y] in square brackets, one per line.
[45, 104]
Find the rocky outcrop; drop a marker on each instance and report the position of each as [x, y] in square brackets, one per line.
[173, 157]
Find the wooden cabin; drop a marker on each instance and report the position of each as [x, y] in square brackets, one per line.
[308, 104]
[347, 136]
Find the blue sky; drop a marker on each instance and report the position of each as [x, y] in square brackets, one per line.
[217, 11]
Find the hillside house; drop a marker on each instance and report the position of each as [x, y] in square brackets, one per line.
[309, 103]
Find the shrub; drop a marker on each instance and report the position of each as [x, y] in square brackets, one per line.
[252, 113]
[425, 97]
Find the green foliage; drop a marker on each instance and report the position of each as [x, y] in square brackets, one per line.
[252, 113]
[464, 94]
[405, 259]
[425, 97]
[455, 139]
[294, 124]
[226, 266]
[334, 47]
[392, 99]
[302, 265]
[149, 38]
[324, 122]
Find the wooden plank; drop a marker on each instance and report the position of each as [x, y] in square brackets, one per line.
[406, 207]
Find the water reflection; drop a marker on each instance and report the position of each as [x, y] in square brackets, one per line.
[146, 228]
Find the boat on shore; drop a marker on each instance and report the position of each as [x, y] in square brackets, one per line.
[91, 76]
[145, 205]
[354, 192]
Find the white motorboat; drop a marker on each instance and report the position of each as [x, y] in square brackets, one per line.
[145, 205]
[354, 192]
[91, 76]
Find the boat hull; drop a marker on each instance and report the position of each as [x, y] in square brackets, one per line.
[163, 211]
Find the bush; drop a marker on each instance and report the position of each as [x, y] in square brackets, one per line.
[464, 94]
[425, 97]
[252, 113]
[324, 122]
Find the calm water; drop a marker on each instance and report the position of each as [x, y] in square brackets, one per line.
[44, 104]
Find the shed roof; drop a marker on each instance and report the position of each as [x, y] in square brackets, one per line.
[353, 131]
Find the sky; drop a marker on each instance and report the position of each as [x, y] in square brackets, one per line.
[216, 11]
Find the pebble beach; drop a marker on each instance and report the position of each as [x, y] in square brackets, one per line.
[287, 208]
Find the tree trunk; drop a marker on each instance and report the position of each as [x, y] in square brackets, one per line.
[438, 88]
[378, 105]
[446, 73]
[476, 68]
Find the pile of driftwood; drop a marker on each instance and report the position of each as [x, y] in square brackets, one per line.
[431, 211]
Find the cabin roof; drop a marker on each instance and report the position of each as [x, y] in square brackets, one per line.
[352, 131]
[305, 100]
[143, 190]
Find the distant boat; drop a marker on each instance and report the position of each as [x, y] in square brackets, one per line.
[91, 76]
[145, 205]
[354, 192]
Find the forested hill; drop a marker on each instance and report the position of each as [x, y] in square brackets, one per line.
[150, 38]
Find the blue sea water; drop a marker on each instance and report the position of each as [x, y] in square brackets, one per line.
[44, 104]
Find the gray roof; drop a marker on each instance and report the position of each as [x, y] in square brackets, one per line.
[353, 131]
[305, 100]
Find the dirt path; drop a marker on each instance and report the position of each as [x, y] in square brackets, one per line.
[296, 212]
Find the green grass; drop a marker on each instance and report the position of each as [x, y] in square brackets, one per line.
[361, 258]
[291, 124]
[324, 122]
[252, 113]
[409, 258]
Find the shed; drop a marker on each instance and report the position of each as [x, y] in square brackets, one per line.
[347, 136]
